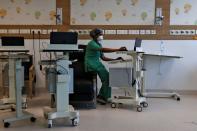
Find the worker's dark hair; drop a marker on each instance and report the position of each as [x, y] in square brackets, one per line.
[95, 32]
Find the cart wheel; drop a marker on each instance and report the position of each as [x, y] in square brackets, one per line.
[75, 122]
[115, 97]
[6, 124]
[145, 104]
[49, 125]
[32, 119]
[120, 104]
[139, 108]
[178, 98]
[12, 109]
[113, 105]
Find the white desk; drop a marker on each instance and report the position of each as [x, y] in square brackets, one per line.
[144, 60]
[159, 94]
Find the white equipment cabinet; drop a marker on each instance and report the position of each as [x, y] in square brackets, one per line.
[62, 109]
[17, 82]
[149, 94]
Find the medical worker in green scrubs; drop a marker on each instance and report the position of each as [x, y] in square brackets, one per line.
[94, 51]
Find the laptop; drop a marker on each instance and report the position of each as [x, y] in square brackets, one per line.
[63, 41]
[137, 46]
[12, 43]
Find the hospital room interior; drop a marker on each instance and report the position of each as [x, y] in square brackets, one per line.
[98, 65]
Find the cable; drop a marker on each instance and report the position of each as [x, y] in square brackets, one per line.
[39, 48]
[160, 62]
[33, 34]
[65, 70]
[128, 74]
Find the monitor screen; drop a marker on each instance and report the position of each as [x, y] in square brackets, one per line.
[137, 43]
[63, 38]
[12, 41]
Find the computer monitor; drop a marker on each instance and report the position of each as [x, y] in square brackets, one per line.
[63, 38]
[12, 41]
[137, 43]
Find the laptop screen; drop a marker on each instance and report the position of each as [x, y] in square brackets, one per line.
[137, 43]
[63, 38]
[12, 41]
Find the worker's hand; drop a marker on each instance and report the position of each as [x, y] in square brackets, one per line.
[119, 58]
[122, 49]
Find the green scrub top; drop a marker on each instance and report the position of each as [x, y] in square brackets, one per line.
[92, 56]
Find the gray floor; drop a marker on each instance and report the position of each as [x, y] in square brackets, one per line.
[161, 115]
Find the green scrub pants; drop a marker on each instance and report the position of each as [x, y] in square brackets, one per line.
[103, 74]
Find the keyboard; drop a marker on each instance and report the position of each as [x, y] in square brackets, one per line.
[128, 52]
[120, 61]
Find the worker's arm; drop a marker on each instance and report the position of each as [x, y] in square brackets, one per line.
[113, 50]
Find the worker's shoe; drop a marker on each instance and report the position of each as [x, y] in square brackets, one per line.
[101, 100]
[109, 100]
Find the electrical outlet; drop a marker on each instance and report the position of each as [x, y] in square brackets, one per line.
[3, 31]
[185, 32]
[122, 32]
[54, 30]
[35, 31]
[178, 32]
[49, 31]
[44, 32]
[24, 31]
[13, 31]
[134, 32]
[130, 31]
[76, 31]
[142, 32]
[79, 32]
[192, 32]
[147, 32]
[172, 32]
[84, 32]
[153, 32]
[110, 32]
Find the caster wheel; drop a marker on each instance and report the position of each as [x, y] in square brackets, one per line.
[145, 104]
[13, 109]
[75, 122]
[139, 108]
[178, 98]
[113, 105]
[120, 104]
[32, 119]
[6, 125]
[115, 97]
[49, 125]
